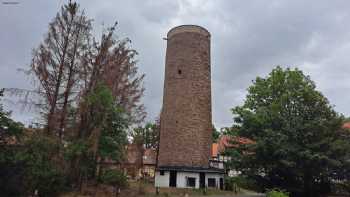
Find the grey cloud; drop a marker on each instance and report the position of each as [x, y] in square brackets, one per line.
[249, 38]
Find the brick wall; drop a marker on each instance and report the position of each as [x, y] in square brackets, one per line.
[185, 136]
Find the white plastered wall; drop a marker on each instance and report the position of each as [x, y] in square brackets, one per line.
[214, 176]
[161, 180]
[181, 179]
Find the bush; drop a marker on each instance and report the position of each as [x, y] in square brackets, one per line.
[276, 193]
[81, 161]
[342, 187]
[114, 178]
[42, 171]
[241, 182]
[229, 183]
[11, 173]
[31, 165]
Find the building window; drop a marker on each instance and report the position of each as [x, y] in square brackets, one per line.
[179, 71]
[161, 172]
[211, 182]
[191, 182]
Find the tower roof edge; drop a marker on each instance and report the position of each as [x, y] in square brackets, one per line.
[188, 28]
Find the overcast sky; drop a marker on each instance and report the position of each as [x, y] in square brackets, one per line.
[249, 38]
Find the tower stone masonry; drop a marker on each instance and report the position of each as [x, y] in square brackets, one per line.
[186, 123]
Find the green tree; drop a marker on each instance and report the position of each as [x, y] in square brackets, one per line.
[43, 171]
[114, 136]
[147, 135]
[346, 119]
[299, 142]
[215, 134]
[105, 136]
[11, 171]
[9, 129]
[27, 160]
[232, 131]
[115, 178]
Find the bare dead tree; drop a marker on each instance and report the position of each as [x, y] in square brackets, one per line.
[113, 63]
[69, 65]
[56, 63]
[121, 75]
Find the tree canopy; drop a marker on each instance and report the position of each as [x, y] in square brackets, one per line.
[300, 145]
[147, 135]
[215, 134]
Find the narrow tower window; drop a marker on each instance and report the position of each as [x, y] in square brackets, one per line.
[179, 71]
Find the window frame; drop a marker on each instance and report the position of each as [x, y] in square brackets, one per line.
[190, 181]
[211, 183]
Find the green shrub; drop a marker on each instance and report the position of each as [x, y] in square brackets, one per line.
[342, 187]
[229, 183]
[114, 178]
[241, 182]
[42, 172]
[276, 193]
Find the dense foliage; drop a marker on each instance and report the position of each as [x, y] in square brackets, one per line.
[11, 171]
[31, 167]
[215, 134]
[113, 136]
[114, 177]
[234, 183]
[27, 161]
[300, 145]
[9, 129]
[42, 171]
[147, 135]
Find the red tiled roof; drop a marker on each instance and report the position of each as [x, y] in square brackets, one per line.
[227, 141]
[346, 125]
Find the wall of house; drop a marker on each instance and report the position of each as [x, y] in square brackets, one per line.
[216, 164]
[181, 179]
[214, 176]
[162, 180]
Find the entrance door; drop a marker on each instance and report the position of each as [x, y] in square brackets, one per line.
[221, 183]
[202, 180]
[172, 179]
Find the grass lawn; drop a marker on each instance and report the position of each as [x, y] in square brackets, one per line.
[135, 189]
[148, 190]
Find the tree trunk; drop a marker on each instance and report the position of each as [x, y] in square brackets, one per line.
[70, 83]
[51, 114]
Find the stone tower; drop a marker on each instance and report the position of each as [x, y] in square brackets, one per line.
[186, 124]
